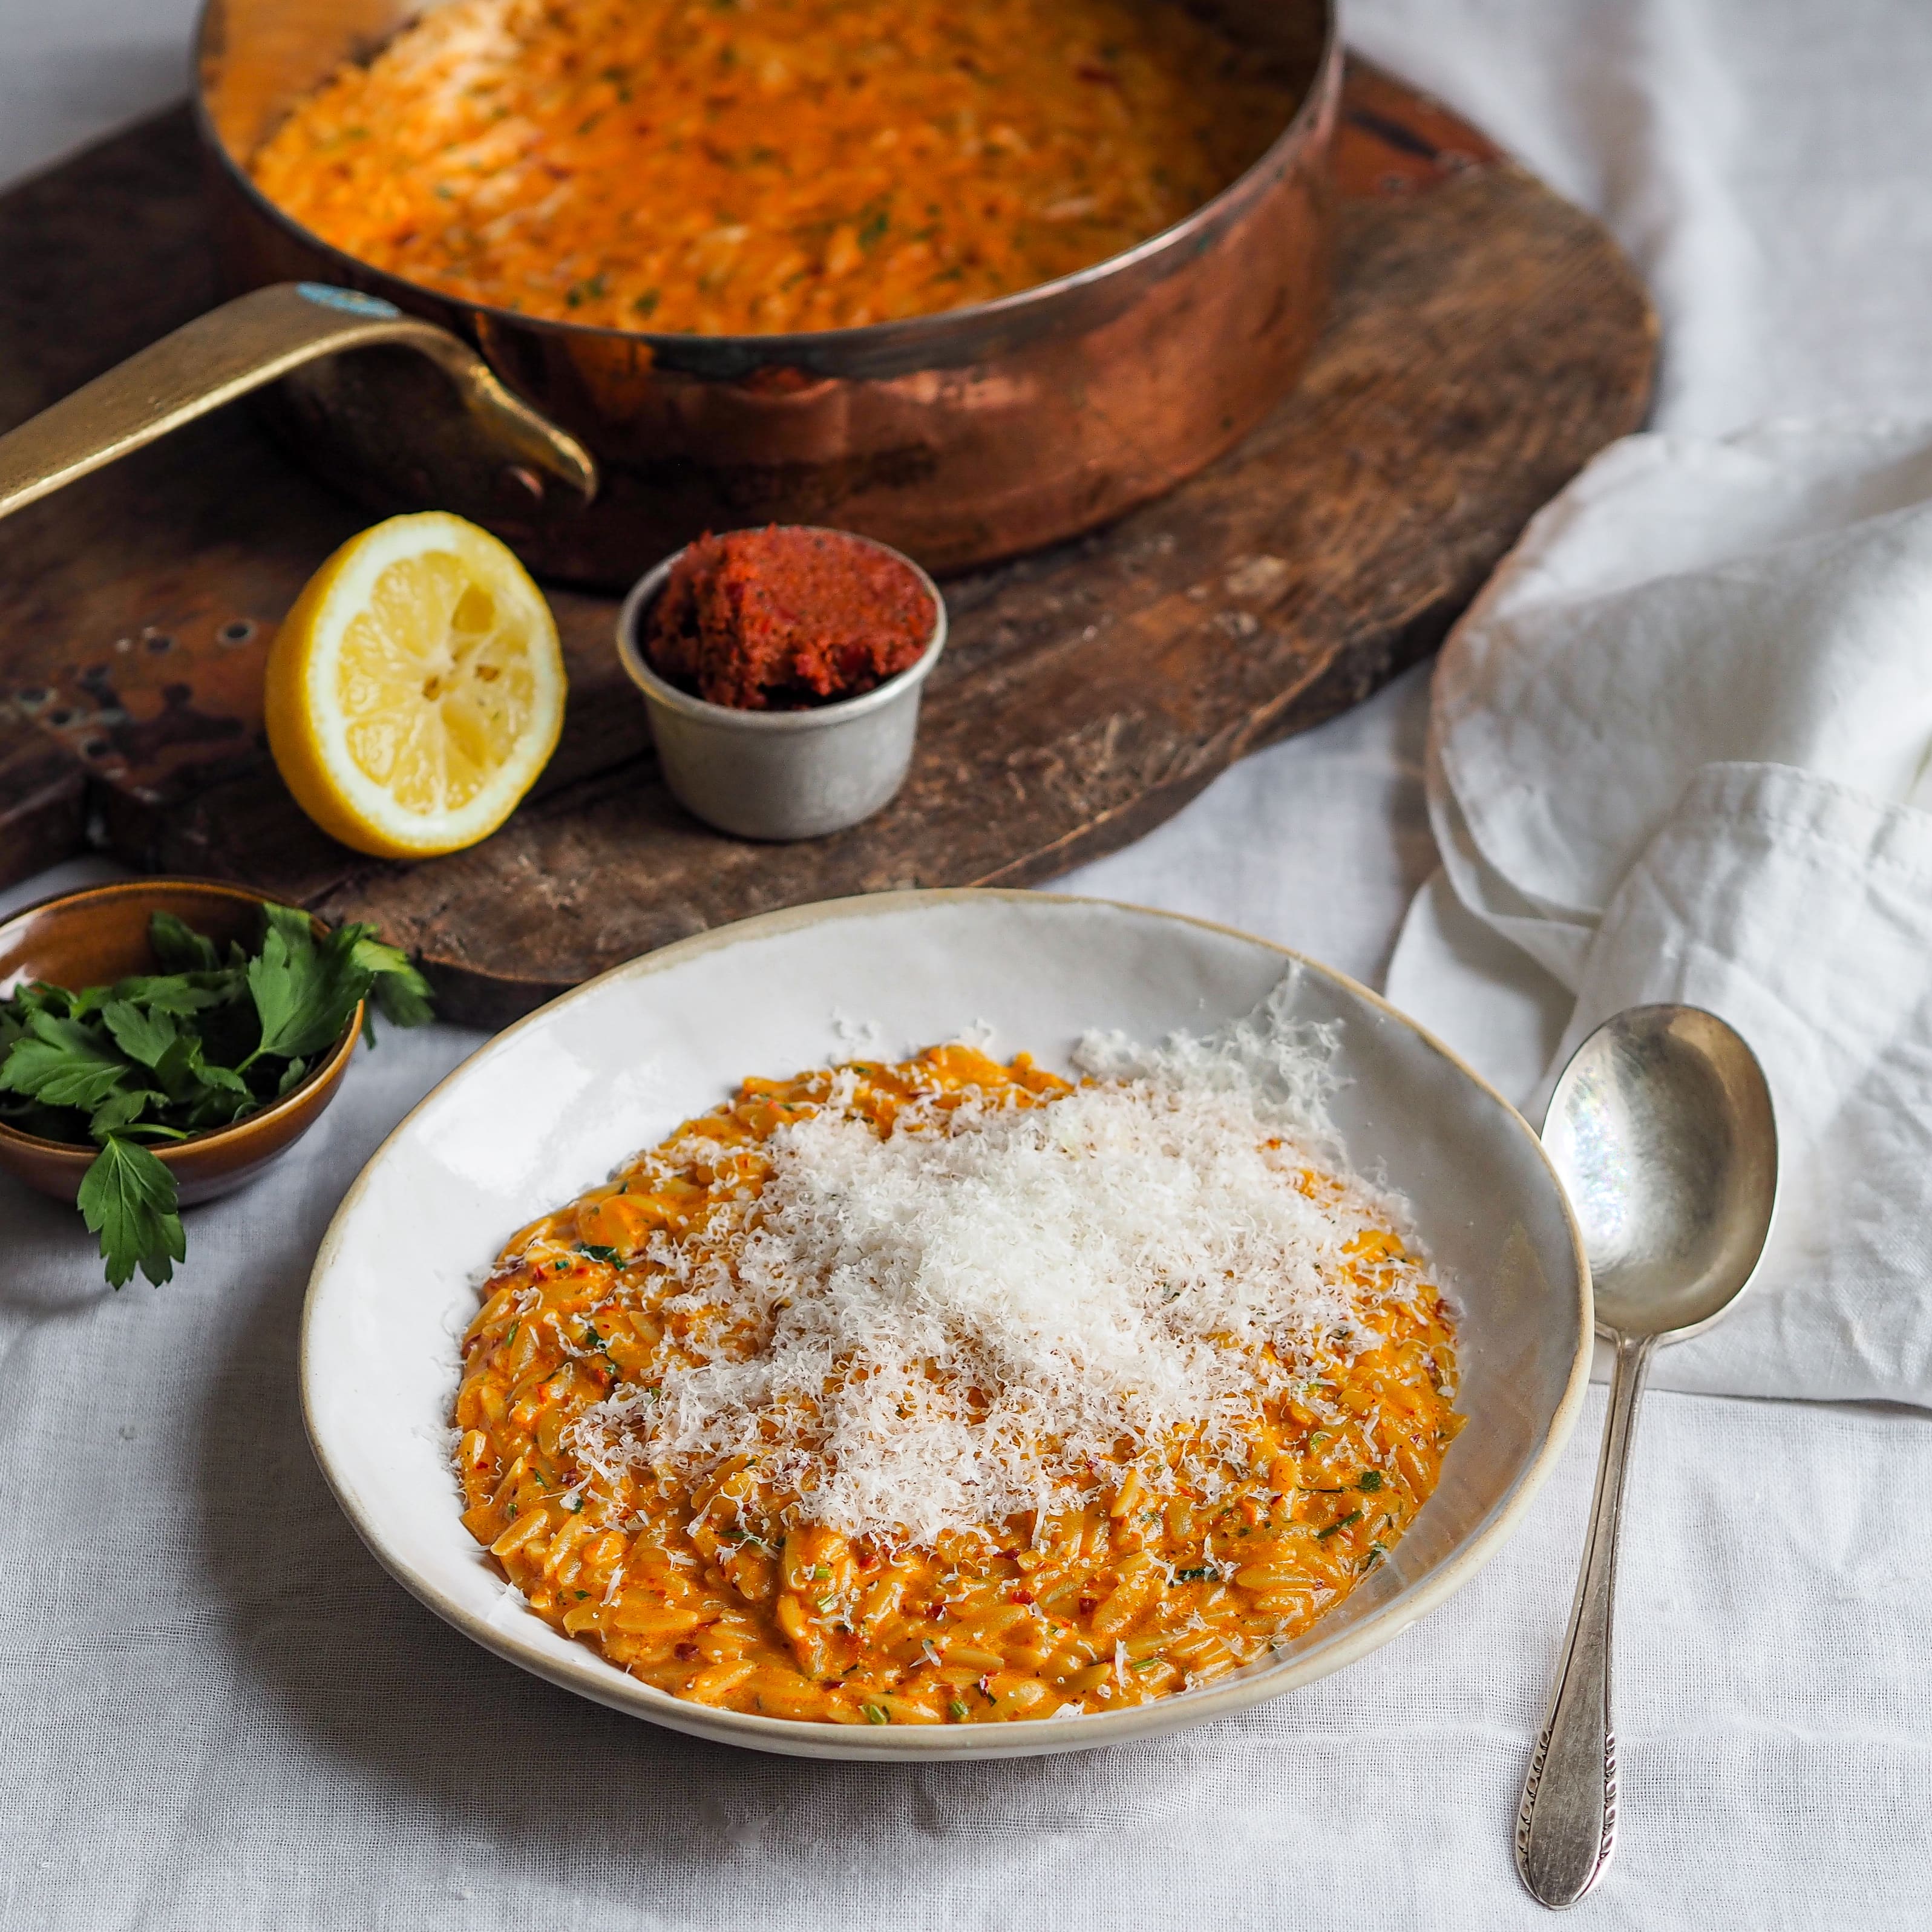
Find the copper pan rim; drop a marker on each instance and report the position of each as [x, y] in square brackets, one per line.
[958, 437]
[809, 346]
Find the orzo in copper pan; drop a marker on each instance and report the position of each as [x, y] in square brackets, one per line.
[959, 436]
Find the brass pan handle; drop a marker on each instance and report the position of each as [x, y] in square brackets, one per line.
[240, 346]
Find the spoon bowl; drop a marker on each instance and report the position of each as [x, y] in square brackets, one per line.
[1661, 1128]
[1662, 1131]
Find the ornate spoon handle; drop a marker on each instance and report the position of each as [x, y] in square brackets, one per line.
[1567, 1827]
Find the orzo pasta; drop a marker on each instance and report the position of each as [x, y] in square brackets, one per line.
[950, 1391]
[719, 167]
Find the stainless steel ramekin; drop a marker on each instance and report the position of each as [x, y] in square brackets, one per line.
[780, 774]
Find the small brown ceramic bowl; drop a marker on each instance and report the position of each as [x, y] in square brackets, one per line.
[93, 937]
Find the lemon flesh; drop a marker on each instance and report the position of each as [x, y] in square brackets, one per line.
[416, 691]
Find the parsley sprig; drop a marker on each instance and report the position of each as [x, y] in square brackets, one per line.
[204, 1042]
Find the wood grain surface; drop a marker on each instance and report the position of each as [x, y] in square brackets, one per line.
[1486, 339]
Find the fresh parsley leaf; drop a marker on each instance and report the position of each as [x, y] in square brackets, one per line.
[141, 1035]
[598, 1254]
[293, 1076]
[1340, 1523]
[305, 993]
[201, 1094]
[178, 948]
[295, 926]
[210, 1074]
[62, 1063]
[128, 1198]
[401, 993]
[120, 1109]
[212, 1108]
[1372, 1480]
[291, 992]
[180, 993]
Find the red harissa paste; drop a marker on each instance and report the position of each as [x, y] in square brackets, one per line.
[782, 618]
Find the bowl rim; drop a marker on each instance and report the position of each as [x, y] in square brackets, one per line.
[793, 344]
[588, 1676]
[278, 1108]
[660, 691]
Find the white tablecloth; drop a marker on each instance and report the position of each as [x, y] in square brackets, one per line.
[215, 1709]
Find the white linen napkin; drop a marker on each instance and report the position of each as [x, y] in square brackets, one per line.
[1678, 751]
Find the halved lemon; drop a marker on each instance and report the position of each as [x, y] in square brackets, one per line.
[416, 689]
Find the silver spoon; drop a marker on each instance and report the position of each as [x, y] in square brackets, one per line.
[1661, 1128]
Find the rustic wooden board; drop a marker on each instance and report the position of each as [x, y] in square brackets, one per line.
[1486, 339]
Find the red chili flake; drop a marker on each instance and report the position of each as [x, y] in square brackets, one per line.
[684, 1652]
[1020, 1597]
[1088, 1605]
[785, 618]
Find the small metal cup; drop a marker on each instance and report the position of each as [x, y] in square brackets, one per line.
[780, 774]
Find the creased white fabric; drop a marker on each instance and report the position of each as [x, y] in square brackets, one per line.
[1677, 752]
[1762, 162]
[215, 1708]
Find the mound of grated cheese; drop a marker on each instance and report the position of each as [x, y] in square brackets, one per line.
[959, 1322]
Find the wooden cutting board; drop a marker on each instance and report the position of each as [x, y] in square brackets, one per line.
[1486, 339]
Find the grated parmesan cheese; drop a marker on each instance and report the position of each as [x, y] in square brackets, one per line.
[966, 1318]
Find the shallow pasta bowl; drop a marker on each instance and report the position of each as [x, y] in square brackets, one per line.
[549, 1107]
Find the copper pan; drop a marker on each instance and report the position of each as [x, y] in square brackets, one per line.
[959, 437]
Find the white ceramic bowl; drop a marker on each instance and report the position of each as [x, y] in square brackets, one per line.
[548, 1108]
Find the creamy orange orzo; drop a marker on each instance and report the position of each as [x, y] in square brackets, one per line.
[720, 166]
[951, 1392]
